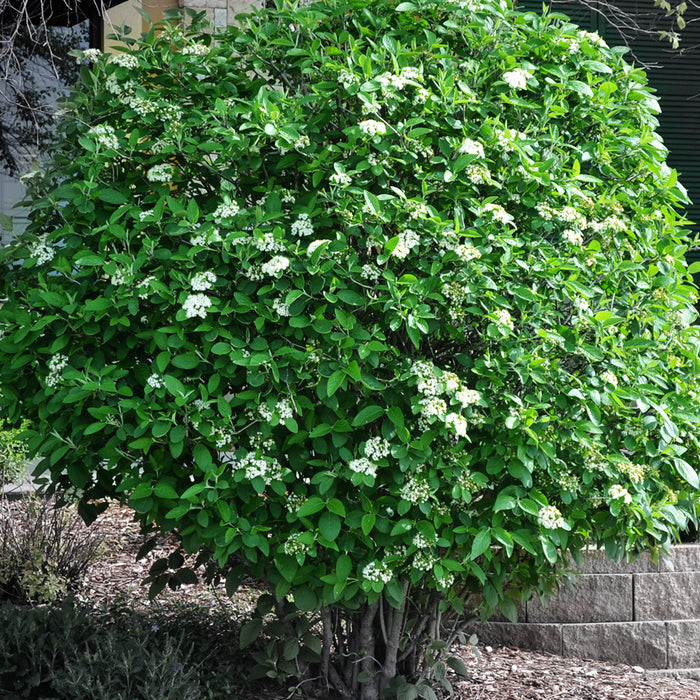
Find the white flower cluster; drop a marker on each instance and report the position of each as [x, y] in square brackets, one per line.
[415, 490]
[284, 409]
[467, 252]
[421, 541]
[346, 78]
[609, 378]
[225, 210]
[377, 572]
[372, 127]
[105, 135]
[433, 407]
[267, 242]
[203, 239]
[294, 502]
[223, 439]
[611, 224]
[503, 318]
[497, 213]
[42, 252]
[508, 137]
[275, 266]
[315, 244]
[635, 472]
[302, 142]
[203, 281]
[582, 305]
[408, 239]
[377, 448]
[342, 179]
[423, 560]
[91, 55]
[517, 78]
[293, 545]
[363, 466]
[417, 210]
[457, 423]
[302, 226]
[617, 492]
[196, 49]
[371, 272]
[473, 148]
[477, 174]
[118, 278]
[280, 307]
[267, 468]
[56, 365]
[125, 60]
[573, 236]
[163, 172]
[571, 215]
[155, 381]
[428, 382]
[467, 397]
[196, 305]
[550, 518]
[145, 214]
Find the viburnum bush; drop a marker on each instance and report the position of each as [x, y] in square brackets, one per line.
[382, 303]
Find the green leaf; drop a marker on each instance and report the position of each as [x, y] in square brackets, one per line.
[202, 457]
[112, 197]
[250, 632]
[368, 521]
[312, 505]
[305, 599]
[481, 543]
[687, 472]
[458, 666]
[165, 490]
[343, 567]
[367, 415]
[335, 381]
[329, 525]
[504, 501]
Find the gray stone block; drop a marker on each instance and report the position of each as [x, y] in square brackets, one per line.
[683, 557]
[667, 596]
[634, 643]
[596, 562]
[594, 598]
[693, 673]
[544, 637]
[683, 643]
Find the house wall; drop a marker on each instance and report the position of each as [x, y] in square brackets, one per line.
[220, 13]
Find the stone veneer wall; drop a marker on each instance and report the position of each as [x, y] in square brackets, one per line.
[642, 614]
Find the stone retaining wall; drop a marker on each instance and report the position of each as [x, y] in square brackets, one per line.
[642, 614]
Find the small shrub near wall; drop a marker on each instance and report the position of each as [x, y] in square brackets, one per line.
[384, 303]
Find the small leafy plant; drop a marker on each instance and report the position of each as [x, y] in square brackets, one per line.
[382, 303]
[13, 454]
[45, 551]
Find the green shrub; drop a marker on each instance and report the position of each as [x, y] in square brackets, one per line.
[386, 302]
[73, 652]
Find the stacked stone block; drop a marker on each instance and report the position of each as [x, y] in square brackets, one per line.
[642, 614]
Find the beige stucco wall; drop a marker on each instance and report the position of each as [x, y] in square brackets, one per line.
[220, 13]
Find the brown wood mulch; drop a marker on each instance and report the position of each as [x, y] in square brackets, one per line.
[505, 673]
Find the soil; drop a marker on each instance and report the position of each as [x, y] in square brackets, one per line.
[505, 673]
